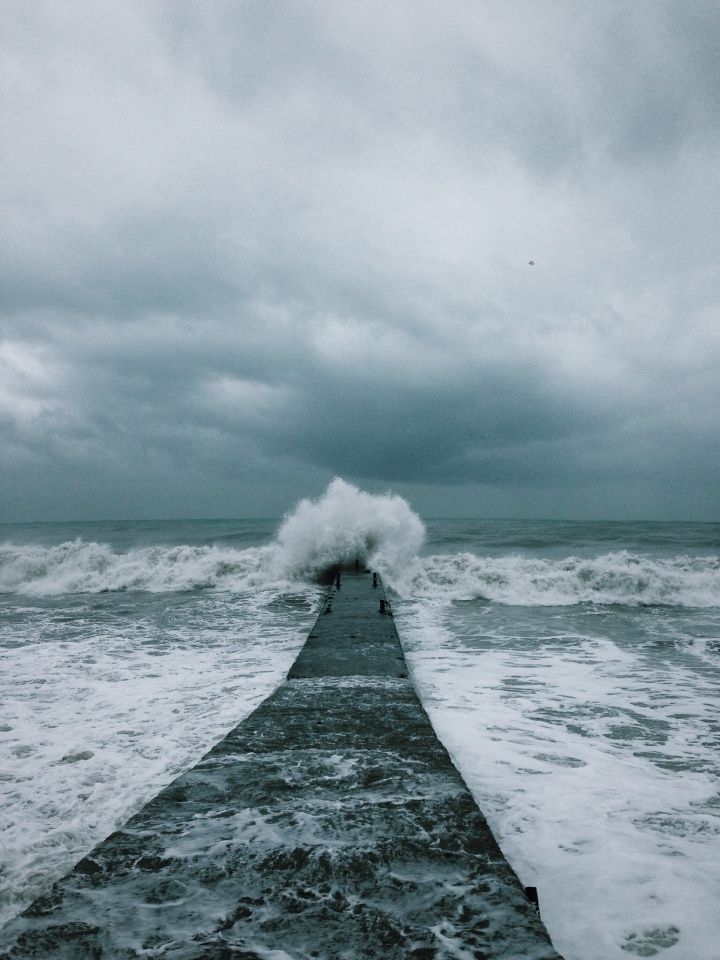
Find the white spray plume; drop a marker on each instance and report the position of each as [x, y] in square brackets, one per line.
[345, 524]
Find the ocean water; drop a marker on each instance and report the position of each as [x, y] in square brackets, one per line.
[571, 669]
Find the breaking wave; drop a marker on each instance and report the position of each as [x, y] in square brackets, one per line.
[77, 566]
[342, 525]
[613, 578]
[346, 524]
[380, 531]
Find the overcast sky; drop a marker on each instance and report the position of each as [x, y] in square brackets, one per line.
[249, 245]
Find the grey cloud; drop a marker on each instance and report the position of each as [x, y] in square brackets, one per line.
[265, 243]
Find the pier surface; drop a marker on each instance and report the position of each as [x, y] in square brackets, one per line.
[329, 824]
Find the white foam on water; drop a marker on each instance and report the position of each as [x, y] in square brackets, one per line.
[612, 578]
[104, 705]
[379, 531]
[77, 566]
[597, 770]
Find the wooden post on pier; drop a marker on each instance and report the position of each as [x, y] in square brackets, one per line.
[330, 823]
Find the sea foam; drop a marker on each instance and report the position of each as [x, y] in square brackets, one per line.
[620, 577]
[77, 566]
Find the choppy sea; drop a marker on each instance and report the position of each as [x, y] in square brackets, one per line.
[571, 669]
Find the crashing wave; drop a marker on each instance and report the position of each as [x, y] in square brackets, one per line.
[347, 524]
[81, 567]
[343, 525]
[613, 578]
[380, 531]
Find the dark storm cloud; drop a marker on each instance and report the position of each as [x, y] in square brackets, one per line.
[250, 246]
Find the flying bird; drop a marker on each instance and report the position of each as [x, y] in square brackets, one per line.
[531, 263]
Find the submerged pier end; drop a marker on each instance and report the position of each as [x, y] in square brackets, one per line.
[329, 824]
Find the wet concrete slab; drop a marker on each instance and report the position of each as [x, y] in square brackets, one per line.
[329, 824]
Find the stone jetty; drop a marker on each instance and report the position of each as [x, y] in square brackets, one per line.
[329, 824]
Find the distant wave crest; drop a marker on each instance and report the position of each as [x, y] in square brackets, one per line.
[613, 578]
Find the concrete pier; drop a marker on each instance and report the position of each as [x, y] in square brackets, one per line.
[329, 824]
